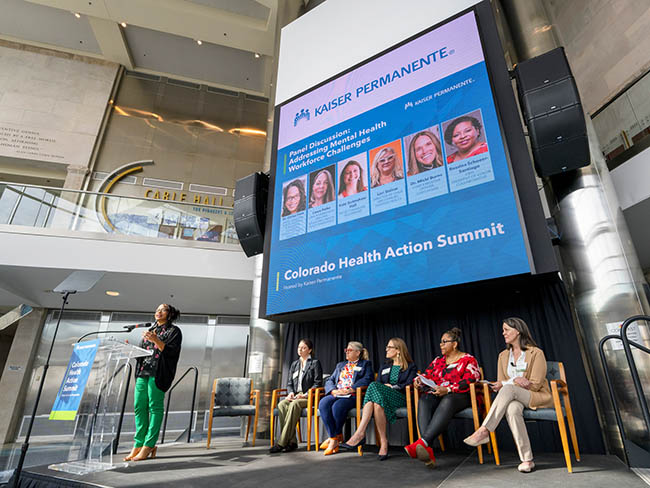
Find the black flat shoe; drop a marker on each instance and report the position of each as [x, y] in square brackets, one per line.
[382, 457]
[349, 447]
[276, 449]
[291, 447]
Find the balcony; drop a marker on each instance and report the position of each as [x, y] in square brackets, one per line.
[81, 211]
[151, 250]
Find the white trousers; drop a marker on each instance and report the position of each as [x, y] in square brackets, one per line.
[510, 401]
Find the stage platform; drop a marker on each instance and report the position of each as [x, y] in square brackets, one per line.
[230, 463]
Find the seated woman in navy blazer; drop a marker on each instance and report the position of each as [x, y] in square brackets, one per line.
[340, 391]
[385, 395]
[305, 373]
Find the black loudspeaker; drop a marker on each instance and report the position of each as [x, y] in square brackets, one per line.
[553, 113]
[251, 195]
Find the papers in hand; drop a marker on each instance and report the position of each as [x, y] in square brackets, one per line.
[426, 381]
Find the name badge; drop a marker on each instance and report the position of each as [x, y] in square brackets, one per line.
[295, 375]
[385, 371]
[357, 368]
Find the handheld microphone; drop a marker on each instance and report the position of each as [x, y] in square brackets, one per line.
[137, 326]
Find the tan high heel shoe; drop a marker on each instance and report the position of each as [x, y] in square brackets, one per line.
[134, 452]
[326, 442]
[146, 452]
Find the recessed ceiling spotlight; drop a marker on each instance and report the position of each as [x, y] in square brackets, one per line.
[257, 55]
[77, 14]
[199, 42]
[111, 293]
[123, 24]
[231, 299]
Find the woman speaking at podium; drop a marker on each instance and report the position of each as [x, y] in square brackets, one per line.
[154, 376]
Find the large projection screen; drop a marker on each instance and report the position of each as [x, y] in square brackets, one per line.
[393, 178]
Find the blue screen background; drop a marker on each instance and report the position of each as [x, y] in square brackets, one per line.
[452, 213]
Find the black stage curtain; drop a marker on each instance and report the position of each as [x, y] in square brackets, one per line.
[479, 312]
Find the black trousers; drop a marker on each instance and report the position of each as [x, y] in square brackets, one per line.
[434, 413]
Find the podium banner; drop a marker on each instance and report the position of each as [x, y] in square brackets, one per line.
[74, 382]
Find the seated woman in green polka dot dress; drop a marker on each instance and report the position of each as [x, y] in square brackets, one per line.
[385, 395]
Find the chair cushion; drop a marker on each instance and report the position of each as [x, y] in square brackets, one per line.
[541, 414]
[232, 391]
[352, 413]
[466, 413]
[402, 413]
[234, 410]
[553, 370]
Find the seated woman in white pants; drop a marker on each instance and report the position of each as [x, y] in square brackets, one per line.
[521, 383]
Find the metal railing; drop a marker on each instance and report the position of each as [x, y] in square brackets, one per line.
[643, 404]
[77, 210]
[169, 397]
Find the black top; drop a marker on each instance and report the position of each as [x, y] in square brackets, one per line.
[311, 378]
[405, 378]
[161, 364]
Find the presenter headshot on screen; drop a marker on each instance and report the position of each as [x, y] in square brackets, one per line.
[352, 179]
[305, 373]
[322, 189]
[452, 373]
[154, 376]
[425, 153]
[464, 134]
[294, 198]
[386, 167]
[521, 383]
[385, 395]
[340, 393]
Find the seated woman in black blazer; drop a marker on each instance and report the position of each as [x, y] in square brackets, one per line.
[305, 373]
[340, 393]
[385, 395]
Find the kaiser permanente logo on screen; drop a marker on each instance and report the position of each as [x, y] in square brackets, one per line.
[303, 114]
[377, 83]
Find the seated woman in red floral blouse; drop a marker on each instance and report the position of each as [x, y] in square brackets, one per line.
[452, 373]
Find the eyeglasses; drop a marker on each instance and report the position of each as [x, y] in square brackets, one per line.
[292, 198]
[351, 350]
[386, 159]
[445, 341]
[391, 347]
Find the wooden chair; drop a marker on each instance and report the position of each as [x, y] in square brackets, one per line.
[234, 397]
[470, 413]
[307, 412]
[561, 408]
[355, 413]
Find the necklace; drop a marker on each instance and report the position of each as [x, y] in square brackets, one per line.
[449, 360]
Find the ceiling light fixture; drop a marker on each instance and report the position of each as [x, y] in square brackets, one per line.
[123, 24]
[77, 14]
[250, 132]
[111, 293]
[257, 55]
[199, 42]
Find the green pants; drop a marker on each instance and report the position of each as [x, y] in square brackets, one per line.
[149, 409]
[289, 415]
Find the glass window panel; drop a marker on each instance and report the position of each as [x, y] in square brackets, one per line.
[8, 197]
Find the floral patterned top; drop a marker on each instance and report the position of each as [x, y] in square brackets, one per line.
[346, 376]
[456, 376]
[148, 365]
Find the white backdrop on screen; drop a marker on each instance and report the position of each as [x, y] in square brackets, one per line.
[339, 34]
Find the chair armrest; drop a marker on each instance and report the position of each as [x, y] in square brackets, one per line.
[255, 395]
[561, 384]
[276, 395]
[317, 392]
